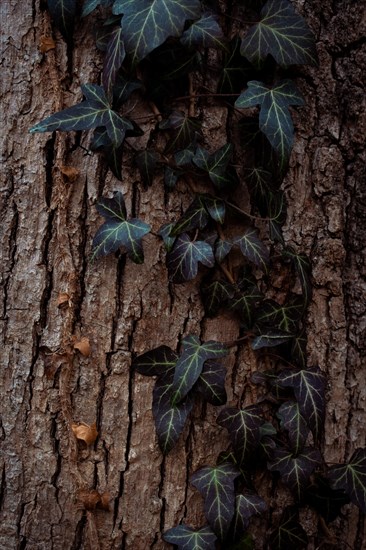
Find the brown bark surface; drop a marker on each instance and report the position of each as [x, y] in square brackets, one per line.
[47, 225]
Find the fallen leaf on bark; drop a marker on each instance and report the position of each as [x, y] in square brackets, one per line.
[83, 346]
[85, 433]
[63, 300]
[70, 173]
[46, 43]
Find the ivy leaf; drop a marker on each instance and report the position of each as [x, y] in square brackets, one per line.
[216, 485]
[117, 231]
[216, 295]
[156, 362]
[146, 24]
[302, 266]
[190, 364]
[246, 506]
[351, 478]
[171, 177]
[216, 165]
[184, 257]
[284, 317]
[298, 349]
[195, 217]
[187, 538]
[235, 69]
[243, 426]
[222, 249]
[274, 117]
[184, 158]
[164, 233]
[289, 533]
[244, 303]
[122, 90]
[94, 112]
[113, 60]
[185, 131]
[327, 502]
[252, 248]
[282, 33]
[211, 383]
[147, 162]
[295, 424]
[90, 5]
[309, 388]
[215, 207]
[63, 15]
[204, 33]
[170, 418]
[268, 338]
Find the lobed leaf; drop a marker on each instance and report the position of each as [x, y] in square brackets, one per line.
[252, 248]
[90, 5]
[326, 501]
[117, 231]
[216, 485]
[63, 14]
[156, 362]
[146, 24]
[211, 383]
[289, 533]
[184, 257]
[216, 165]
[113, 60]
[246, 506]
[274, 116]
[282, 33]
[204, 33]
[268, 338]
[216, 295]
[244, 303]
[147, 162]
[292, 420]
[302, 266]
[244, 430]
[164, 233]
[309, 388]
[184, 130]
[190, 364]
[187, 538]
[195, 217]
[351, 478]
[283, 317]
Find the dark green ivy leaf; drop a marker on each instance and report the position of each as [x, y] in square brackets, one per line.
[195, 217]
[147, 162]
[222, 249]
[190, 364]
[282, 33]
[63, 15]
[215, 207]
[170, 418]
[204, 33]
[243, 426]
[246, 506]
[90, 5]
[252, 248]
[351, 478]
[298, 349]
[283, 317]
[309, 388]
[156, 362]
[268, 338]
[117, 231]
[164, 233]
[187, 538]
[327, 502]
[171, 177]
[146, 24]
[215, 295]
[211, 383]
[184, 130]
[216, 485]
[289, 533]
[216, 165]
[295, 470]
[302, 266]
[113, 60]
[184, 257]
[122, 90]
[235, 69]
[292, 420]
[274, 117]
[244, 303]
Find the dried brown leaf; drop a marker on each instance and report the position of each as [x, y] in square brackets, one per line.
[104, 501]
[70, 173]
[63, 300]
[89, 499]
[84, 432]
[46, 43]
[83, 345]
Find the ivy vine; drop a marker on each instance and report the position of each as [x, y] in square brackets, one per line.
[156, 51]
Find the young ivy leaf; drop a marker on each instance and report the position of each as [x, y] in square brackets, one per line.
[274, 117]
[351, 478]
[244, 303]
[183, 259]
[63, 15]
[156, 362]
[204, 33]
[186, 538]
[211, 383]
[252, 248]
[292, 420]
[113, 60]
[216, 485]
[146, 24]
[195, 217]
[184, 130]
[289, 533]
[169, 417]
[215, 207]
[282, 33]
[244, 430]
[216, 165]
[94, 112]
[117, 231]
[309, 388]
[295, 470]
[190, 364]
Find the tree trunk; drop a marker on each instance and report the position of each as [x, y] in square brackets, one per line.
[53, 296]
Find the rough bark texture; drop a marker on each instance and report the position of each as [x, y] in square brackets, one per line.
[47, 226]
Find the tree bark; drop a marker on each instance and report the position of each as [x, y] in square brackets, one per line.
[52, 293]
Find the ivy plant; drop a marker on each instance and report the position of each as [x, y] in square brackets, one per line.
[156, 51]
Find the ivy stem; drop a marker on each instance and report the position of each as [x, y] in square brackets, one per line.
[246, 213]
[211, 94]
[192, 94]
